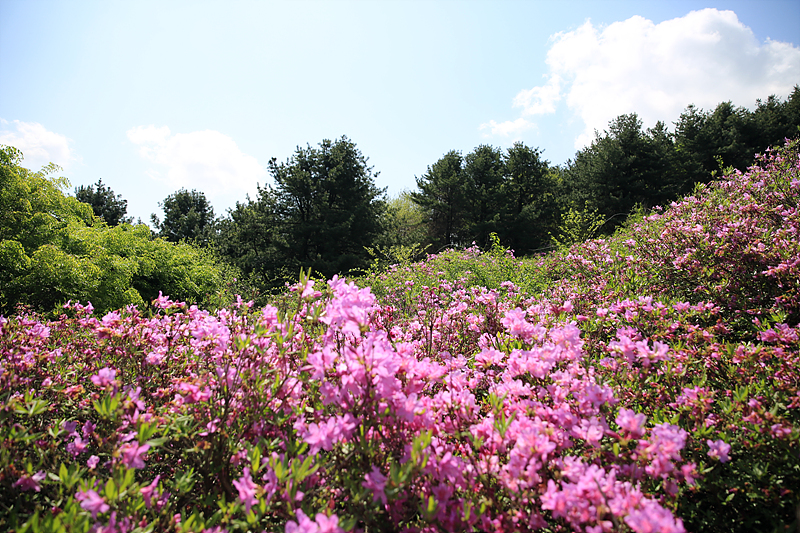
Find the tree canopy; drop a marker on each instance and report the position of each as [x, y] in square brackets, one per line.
[328, 207]
[105, 204]
[624, 167]
[467, 198]
[322, 214]
[188, 216]
[52, 251]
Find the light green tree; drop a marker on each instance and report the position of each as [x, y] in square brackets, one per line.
[53, 249]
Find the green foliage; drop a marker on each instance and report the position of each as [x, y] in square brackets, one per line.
[521, 198]
[33, 209]
[468, 198]
[188, 216]
[322, 215]
[485, 174]
[733, 134]
[105, 204]
[247, 239]
[623, 167]
[52, 250]
[530, 198]
[404, 232]
[657, 368]
[327, 206]
[443, 196]
[577, 226]
[404, 222]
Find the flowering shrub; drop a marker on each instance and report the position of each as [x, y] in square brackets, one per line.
[596, 396]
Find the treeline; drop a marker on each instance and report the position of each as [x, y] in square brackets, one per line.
[325, 213]
[532, 205]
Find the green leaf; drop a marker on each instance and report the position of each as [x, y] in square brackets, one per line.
[255, 459]
[111, 490]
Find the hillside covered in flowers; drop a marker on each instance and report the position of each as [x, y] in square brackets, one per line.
[644, 382]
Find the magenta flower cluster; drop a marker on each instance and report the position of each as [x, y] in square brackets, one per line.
[617, 403]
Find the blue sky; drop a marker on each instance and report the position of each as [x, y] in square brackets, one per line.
[154, 96]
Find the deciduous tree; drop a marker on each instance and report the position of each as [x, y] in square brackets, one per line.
[51, 251]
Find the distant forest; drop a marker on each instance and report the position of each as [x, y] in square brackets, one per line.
[326, 214]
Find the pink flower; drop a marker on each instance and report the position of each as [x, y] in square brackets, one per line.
[768, 336]
[69, 428]
[77, 446]
[104, 377]
[308, 290]
[778, 431]
[132, 454]
[719, 449]
[631, 422]
[375, 481]
[515, 323]
[325, 434]
[247, 490]
[92, 502]
[88, 429]
[92, 462]
[30, 482]
[652, 518]
[303, 525]
[148, 491]
[328, 524]
[162, 302]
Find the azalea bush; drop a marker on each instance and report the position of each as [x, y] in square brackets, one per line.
[647, 382]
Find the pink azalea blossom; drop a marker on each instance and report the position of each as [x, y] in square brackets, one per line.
[150, 491]
[376, 482]
[92, 502]
[719, 449]
[30, 482]
[328, 524]
[104, 377]
[320, 436]
[631, 422]
[77, 446]
[132, 454]
[88, 429]
[652, 518]
[303, 524]
[247, 490]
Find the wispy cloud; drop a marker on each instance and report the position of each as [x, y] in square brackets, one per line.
[206, 160]
[656, 70]
[38, 145]
[509, 128]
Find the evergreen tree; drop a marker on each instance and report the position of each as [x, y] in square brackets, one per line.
[443, 195]
[327, 206]
[105, 204]
[484, 170]
[729, 136]
[623, 168]
[247, 239]
[188, 216]
[529, 195]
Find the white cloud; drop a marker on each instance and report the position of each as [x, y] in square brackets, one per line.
[38, 145]
[656, 70]
[540, 100]
[509, 128]
[208, 160]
